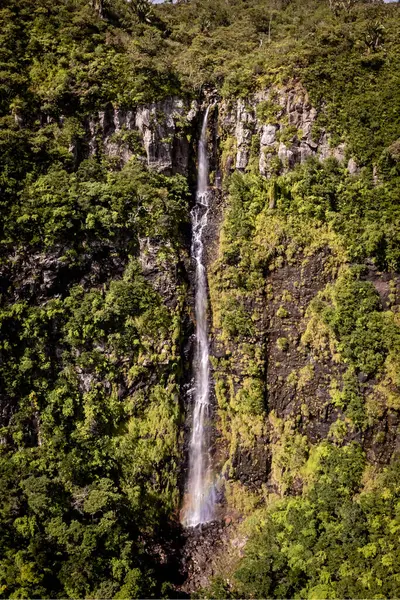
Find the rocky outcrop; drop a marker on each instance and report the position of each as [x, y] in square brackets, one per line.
[272, 131]
[43, 275]
[208, 551]
[159, 133]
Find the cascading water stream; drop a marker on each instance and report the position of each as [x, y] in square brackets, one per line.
[200, 499]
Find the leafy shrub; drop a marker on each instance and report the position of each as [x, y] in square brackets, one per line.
[282, 344]
[282, 313]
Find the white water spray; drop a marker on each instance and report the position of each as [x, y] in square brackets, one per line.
[200, 501]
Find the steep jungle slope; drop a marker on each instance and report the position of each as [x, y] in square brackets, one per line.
[305, 299]
[93, 285]
[100, 107]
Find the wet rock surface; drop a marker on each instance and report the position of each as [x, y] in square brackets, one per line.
[300, 283]
[208, 550]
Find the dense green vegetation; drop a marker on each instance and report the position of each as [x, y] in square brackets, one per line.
[317, 206]
[90, 380]
[90, 351]
[337, 540]
[91, 345]
[347, 56]
[346, 331]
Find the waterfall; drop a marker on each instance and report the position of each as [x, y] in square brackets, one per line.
[200, 497]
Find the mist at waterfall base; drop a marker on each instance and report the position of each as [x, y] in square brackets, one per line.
[200, 493]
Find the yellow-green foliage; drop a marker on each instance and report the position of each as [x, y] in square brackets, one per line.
[336, 539]
[240, 414]
[94, 377]
[286, 296]
[292, 378]
[389, 385]
[282, 313]
[305, 376]
[240, 499]
[268, 111]
[228, 152]
[289, 453]
[283, 344]
[318, 336]
[347, 323]
[149, 440]
[250, 397]
[233, 289]
[338, 430]
[288, 133]
[256, 239]
[253, 165]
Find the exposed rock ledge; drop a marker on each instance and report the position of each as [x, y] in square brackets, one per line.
[163, 131]
[274, 129]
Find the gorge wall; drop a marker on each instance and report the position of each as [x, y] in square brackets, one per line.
[282, 382]
[273, 386]
[101, 111]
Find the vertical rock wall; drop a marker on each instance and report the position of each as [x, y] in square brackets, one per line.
[159, 133]
[272, 131]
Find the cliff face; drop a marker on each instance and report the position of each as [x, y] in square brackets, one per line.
[288, 301]
[94, 317]
[281, 378]
[272, 361]
[273, 131]
[158, 136]
[274, 388]
[267, 135]
[161, 132]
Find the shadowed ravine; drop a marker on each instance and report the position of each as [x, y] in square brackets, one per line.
[200, 493]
